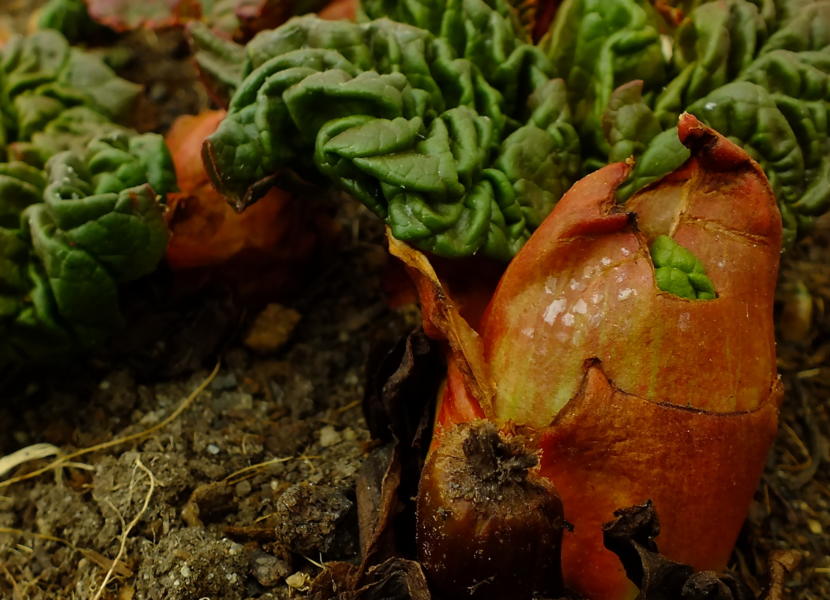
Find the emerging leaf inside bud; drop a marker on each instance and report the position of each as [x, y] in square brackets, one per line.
[488, 525]
[679, 272]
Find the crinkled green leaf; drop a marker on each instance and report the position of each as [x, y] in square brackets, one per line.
[424, 137]
[805, 25]
[633, 129]
[758, 74]
[32, 60]
[80, 209]
[710, 49]
[456, 131]
[78, 234]
[84, 293]
[799, 84]
[598, 45]
[42, 79]
[71, 130]
[629, 124]
[489, 33]
[118, 161]
[20, 186]
[14, 253]
[106, 91]
[34, 112]
[467, 24]
[663, 155]
[747, 113]
[32, 331]
[123, 228]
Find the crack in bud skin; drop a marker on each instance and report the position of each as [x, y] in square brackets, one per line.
[488, 526]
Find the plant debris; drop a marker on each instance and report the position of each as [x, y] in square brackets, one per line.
[631, 537]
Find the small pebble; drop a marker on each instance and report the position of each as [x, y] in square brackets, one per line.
[243, 488]
[349, 434]
[351, 379]
[269, 570]
[245, 402]
[213, 449]
[815, 526]
[224, 381]
[329, 436]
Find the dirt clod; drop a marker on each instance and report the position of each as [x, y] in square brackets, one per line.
[312, 519]
[192, 563]
[269, 570]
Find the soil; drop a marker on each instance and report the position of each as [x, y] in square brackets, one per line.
[251, 487]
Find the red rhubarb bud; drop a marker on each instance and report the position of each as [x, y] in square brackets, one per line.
[635, 393]
[643, 394]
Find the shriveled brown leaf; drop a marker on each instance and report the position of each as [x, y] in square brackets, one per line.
[782, 563]
[394, 579]
[401, 390]
[631, 536]
[378, 484]
[398, 406]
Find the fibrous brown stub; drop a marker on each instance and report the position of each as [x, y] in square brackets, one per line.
[488, 526]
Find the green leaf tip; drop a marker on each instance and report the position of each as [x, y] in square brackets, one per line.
[679, 272]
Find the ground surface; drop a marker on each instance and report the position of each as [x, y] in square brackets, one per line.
[251, 487]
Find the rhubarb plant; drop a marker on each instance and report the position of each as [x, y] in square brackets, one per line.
[610, 376]
[596, 348]
[80, 199]
[608, 82]
[261, 252]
